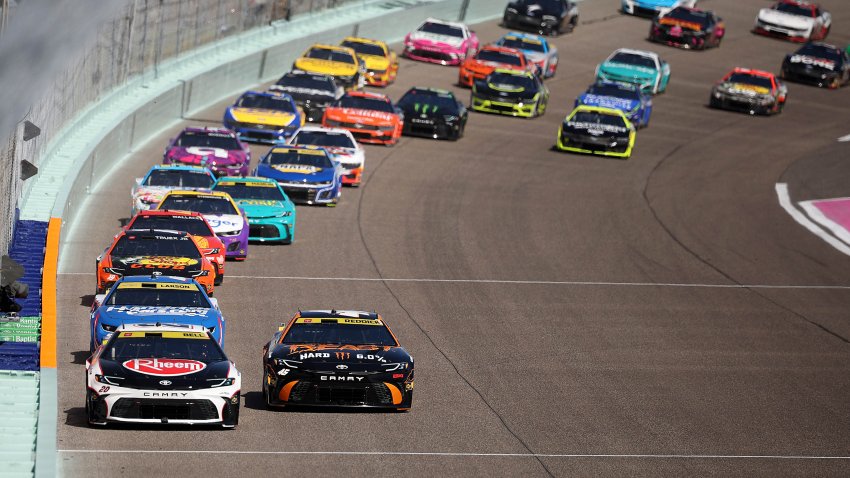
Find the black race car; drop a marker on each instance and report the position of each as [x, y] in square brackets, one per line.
[433, 113]
[818, 64]
[547, 17]
[337, 358]
[688, 28]
[312, 92]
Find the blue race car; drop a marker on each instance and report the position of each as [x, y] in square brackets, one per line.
[154, 299]
[536, 49]
[307, 174]
[271, 215]
[636, 104]
[639, 67]
[652, 8]
[264, 117]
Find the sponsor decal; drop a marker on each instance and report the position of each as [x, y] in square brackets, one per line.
[166, 260]
[218, 222]
[158, 310]
[340, 320]
[357, 114]
[315, 152]
[335, 378]
[156, 285]
[165, 382]
[809, 60]
[164, 367]
[165, 394]
[681, 23]
[297, 168]
[747, 88]
[608, 102]
[342, 367]
[299, 348]
[596, 127]
[269, 117]
[258, 202]
[165, 335]
[311, 355]
[202, 242]
[207, 151]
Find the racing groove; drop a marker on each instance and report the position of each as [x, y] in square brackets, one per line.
[589, 377]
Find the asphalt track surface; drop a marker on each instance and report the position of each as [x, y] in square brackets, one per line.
[571, 315]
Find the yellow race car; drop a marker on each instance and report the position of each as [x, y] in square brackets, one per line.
[339, 62]
[381, 62]
[596, 130]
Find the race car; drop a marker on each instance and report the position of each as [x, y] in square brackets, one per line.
[311, 92]
[628, 98]
[340, 145]
[510, 92]
[186, 221]
[547, 17]
[152, 299]
[818, 64]
[381, 62]
[489, 58]
[271, 215]
[150, 188]
[795, 20]
[595, 130]
[263, 117]
[536, 49]
[162, 375]
[370, 117]
[643, 68]
[688, 28]
[752, 91]
[651, 8]
[337, 61]
[136, 252]
[433, 113]
[223, 214]
[306, 173]
[218, 149]
[338, 359]
[441, 42]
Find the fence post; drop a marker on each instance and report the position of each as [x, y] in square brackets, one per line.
[463, 7]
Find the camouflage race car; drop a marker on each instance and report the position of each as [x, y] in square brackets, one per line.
[271, 215]
[510, 92]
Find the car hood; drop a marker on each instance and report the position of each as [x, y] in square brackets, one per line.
[167, 265]
[623, 104]
[797, 22]
[296, 173]
[305, 94]
[596, 129]
[225, 222]
[148, 314]
[375, 62]
[624, 69]
[157, 192]
[325, 66]
[347, 156]
[152, 373]
[259, 208]
[327, 356]
[370, 117]
[810, 61]
[433, 39]
[206, 156]
[258, 116]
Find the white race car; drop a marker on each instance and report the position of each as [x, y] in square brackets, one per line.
[341, 146]
[795, 20]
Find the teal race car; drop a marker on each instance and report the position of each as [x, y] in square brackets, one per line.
[638, 67]
[271, 215]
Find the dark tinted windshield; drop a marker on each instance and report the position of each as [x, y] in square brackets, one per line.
[819, 51]
[365, 48]
[131, 245]
[163, 345]
[429, 102]
[251, 190]
[522, 44]
[176, 178]
[441, 29]
[312, 82]
[689, 16]
[795, 9]
[263, 102]
[336, 333]
[331, 55]
[361, 103]
[512, 81]
[192, 224]
[299, 157]
[548, 6]
[202, 204]
[615, 90]
[209, 140]
[750, 80]
[498, 57]
[323, 138]
[154, 297]
[632, 59]
[590, 119]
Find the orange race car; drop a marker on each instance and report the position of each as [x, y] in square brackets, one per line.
[370, 117]
[137, 252]
[488, 59]
[381, 62]
[189, 221]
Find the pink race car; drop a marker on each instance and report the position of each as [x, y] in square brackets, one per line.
[442, 42]
[219, 149]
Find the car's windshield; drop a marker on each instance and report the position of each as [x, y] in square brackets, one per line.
[194, 225]
[310, 82]
[365, 48]
[632, 59]
[594, 120]
[299, 157]
[548, 6]
[331, 55]
[429, 102]
[251, 190]
[133, 245]
[176, 178]
[511, 81]
[157, 295]
[190, 139]
[794, 9]
[213, 205]
[363, 103]
[329, 331]
[173, 345]
[441, 29]
[323, 138]
[833, 54]
[747, 79]
[697, 18]
[499, 57]
[615, 90]
[266, 102]
[522, 44]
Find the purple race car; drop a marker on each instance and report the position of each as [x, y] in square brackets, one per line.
[219, 149]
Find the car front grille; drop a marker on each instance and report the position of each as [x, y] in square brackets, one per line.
[139, 408]
[301, 195]
[263, 230]
[434, 55]
[322, 394]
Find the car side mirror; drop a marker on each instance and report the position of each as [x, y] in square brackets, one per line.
[214, 303]
[98, 300]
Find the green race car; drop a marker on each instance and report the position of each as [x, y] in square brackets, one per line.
[510, 92]
[271, 215]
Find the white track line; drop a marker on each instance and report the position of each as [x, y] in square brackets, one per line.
[818, 216]
[483, 455]
[844, 139]
[785, 202]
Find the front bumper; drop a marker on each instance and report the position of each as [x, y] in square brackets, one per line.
[236, 245]
[352, 176]
[114, 404]
[258, 133]
[278, 229]
[686, 40]
[379, 77]
[310, 193]
[740, 103]
[467, 77]
[429, 128]
[433, 54]
[312, 391]
[491, 105]
[645, 84]
[779, 31]
[375, 134]
[591, 145]
[809, 77]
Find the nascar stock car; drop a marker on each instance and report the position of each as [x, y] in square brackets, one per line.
[688, 28]
[651, 8]
[306, 173]
[535, 48]
[794, 20]
[643, 68]
[159, 375]
[150, 188]
[339, 62]
[441, 42]
[151, 299]
[218, 149]
[264, 117]
[510, 92]
[381, 63]
[370, 117]
[311, 92]
[337, 358]
[186, 221]
[340, 145]
[595, 130]
[221, 212]
[137, 252]
[752, 91]
[547, 17]
[433, 113]
[628, 98]
[487, 59]
[818, 64]
[271, 215]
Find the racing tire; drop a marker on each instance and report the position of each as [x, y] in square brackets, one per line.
[91, 420]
